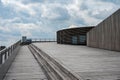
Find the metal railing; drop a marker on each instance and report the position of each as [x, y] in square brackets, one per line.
[5, 53]
[43, 40]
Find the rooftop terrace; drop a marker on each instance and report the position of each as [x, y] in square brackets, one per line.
[88, 63]
[52, 61]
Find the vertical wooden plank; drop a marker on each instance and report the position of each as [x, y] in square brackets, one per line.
[100, 36]
[103, 36]
[113, 33]
[106, 34]
[88, 39]
[118, 31]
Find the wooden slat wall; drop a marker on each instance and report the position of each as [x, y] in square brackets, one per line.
[65, 36]
[106, 35]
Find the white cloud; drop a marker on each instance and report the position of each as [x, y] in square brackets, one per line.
[76, 12]
[6, 24]
[88, 9]
[5, 29]
[33, 18]
[7, 40]
[46, 9]
[52, 11]
[4, 21]
[25, 28]
[47, 12]
[19, 6]
[72, 26]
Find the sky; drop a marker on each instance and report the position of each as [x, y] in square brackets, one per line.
[42, 18]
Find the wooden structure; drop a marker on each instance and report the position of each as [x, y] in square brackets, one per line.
[106, 35]
[73, 35]
[7, 56]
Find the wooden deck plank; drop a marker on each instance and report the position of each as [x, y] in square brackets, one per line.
[25, 67]
[89, 63]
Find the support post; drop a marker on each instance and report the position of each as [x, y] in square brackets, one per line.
[0, 58]
[5, 57]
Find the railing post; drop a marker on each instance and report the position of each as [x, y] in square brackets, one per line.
[0, 58]
[8, 52]
[11, 50]
[5, 57]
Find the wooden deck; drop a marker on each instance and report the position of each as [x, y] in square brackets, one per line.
[88, 63]
[25, 67]
[64, 62]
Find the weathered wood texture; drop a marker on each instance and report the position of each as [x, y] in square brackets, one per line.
[88, 63]
[65, 36]
[53, 69]
[25, 67]
[106, 35]
[7, 56]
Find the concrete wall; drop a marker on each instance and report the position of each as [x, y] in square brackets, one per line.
[106, 35]
[65, 36]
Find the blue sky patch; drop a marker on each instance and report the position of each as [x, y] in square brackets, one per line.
[42, 18]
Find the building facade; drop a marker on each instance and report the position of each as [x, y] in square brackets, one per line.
[106, 35]
[76, 36]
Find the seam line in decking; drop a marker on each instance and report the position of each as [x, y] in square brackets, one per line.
[25, 67]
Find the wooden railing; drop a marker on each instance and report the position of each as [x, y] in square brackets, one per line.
[5, 53]
[7, 56]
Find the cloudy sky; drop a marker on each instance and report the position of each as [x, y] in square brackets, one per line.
[42, 18]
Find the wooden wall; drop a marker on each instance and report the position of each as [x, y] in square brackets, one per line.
[65, 36]
[106, 35]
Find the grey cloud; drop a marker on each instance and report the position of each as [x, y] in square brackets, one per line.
[59, 1]
[52, 15]
[62, 12]
[55, 12]
[113, 1]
